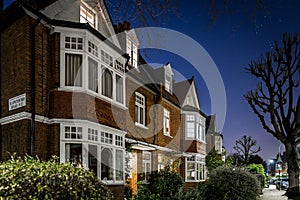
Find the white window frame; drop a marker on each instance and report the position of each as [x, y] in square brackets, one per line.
[197, 123]
[166, 122]
[132, 50]
[147, 162]
[84, 19]
[199, 168]
[86, 54]
[85, 141]
[140, 104]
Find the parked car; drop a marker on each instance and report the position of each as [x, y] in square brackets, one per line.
[282, 183]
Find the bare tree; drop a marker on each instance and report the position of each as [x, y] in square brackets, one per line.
[276, 100]
[147, 12]
[245, 148]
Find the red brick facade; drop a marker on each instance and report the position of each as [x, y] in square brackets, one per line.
[52, 102]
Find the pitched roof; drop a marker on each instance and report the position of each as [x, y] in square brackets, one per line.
[182, 88]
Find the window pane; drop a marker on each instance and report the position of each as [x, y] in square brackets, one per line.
[73, 70]
[106, 164]
[74, 154]
[190, 130]
[93, 75]
[119, 88]
[92, 164]
[107, 83]
[119, 165]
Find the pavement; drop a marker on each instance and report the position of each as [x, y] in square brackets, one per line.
[272, 193]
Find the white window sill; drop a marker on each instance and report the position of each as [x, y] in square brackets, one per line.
[141, 125]
[194, 181]
[168, 135]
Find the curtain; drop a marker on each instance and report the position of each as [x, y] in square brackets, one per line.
[73, 70]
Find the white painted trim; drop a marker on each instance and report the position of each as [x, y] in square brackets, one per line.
[156, 147]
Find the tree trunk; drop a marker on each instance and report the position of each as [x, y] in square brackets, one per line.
[293, 170]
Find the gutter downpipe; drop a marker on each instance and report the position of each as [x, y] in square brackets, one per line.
[33, 86]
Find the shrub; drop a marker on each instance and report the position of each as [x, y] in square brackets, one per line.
[228, 183]
[258, 169]
[161, 185]
[29, 178]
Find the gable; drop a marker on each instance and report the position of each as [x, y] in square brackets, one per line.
[71, 10]
[191, 98]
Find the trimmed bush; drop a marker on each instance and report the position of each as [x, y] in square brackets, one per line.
[29, 178]
[230, 183]
[161, 185]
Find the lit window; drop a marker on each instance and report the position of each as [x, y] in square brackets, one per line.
[132, 50]
[73, 70]
[195, 168]
[87, 15]
[93, 75]
[166, 122]
[140, 108]
[146, 164]
[74, 154]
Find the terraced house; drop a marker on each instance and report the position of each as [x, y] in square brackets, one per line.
[71, 88]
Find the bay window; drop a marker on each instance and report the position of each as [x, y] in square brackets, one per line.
[84, 69]
[195, 168]
[102, 154]
[195, 128]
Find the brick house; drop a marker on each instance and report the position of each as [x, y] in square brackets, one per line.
[88, 97]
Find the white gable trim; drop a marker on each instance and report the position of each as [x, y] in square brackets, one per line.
[191, 98]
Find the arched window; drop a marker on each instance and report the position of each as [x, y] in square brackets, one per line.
[107, 83]
[107, 164]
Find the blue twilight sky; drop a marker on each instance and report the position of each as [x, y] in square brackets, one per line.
[232, 45]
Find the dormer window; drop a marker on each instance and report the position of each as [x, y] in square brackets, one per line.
[87, 15]
[168, 83]
[132, 50]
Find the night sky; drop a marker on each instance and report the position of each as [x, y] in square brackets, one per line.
[232, 43]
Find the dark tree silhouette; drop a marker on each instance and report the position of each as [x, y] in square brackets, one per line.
[146, 12]
[245, 148]
[276, 100]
